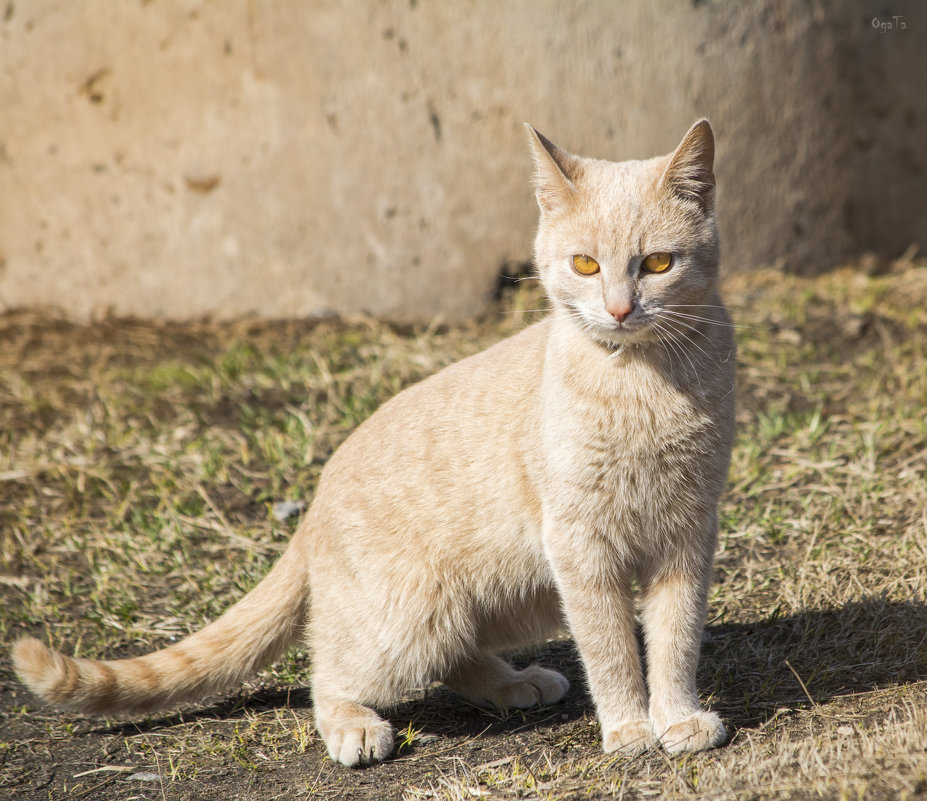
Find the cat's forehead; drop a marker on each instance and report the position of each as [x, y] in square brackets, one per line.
[621, 207]
[617, 202]
[620, 185]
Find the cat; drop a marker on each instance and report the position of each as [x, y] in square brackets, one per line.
[527, 489]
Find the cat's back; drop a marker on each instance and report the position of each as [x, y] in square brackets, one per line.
[449, 437]
[482, 390]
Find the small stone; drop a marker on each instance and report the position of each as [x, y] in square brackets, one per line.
[853, 326]
[845, 729]
[284, 510]
[144, 776]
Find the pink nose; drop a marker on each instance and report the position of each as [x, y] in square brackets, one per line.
[620, 310]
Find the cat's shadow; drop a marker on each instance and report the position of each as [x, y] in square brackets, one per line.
[435, 711]
[749, 671]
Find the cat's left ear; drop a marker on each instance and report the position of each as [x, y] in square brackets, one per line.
[690, 172]
[556, 169]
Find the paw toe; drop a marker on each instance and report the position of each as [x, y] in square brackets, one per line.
[697, 732]
[361, 745]
[535, 685]
[355, 735]
[630, 737]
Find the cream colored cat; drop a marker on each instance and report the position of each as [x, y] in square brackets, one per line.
[523, 489]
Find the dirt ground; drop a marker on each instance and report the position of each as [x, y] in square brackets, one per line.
[141, 462]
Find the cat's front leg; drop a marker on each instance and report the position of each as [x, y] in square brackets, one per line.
[674, 602]
[598, 602]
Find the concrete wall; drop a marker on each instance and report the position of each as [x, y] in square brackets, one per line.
[178, 158]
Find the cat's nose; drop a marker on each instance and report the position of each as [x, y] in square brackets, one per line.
[620, 309]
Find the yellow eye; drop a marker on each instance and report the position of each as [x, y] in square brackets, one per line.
[657, 262]
[585, 265]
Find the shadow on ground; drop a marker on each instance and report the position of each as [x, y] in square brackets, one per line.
[750, 670]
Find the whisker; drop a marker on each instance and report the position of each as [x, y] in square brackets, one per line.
[666, 350]
[694, 306]
[594, 330]
[708, 320]
[662, 341]
[678, 347]
[667, 335]
[670, 317]
[688, 338]
[692, 365]
[699, 318]
[578, 316]
[666, 309]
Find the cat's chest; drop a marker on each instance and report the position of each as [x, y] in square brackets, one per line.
[645, 445]
[643, 431]
[639, 408]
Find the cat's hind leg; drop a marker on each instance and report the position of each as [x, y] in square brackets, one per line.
[353, 734]
[485, 678]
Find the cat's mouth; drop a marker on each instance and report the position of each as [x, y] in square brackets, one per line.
[613, 334]
[618, 335]
[641, 327]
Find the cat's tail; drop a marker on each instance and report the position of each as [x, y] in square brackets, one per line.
[250, 635]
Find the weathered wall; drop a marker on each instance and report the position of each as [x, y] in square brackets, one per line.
[177, 158]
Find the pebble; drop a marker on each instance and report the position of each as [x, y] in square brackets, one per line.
[284, 510]
[143, 776]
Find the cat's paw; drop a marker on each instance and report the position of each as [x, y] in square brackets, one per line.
[697, 732]
[630, 737]
[355, 735]
[533, 686]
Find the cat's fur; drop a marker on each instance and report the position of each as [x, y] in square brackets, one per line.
[527, 487]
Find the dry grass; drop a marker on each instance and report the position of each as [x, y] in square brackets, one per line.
[139, 465]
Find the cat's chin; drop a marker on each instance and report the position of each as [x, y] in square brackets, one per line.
[616, 339]
[612, 337]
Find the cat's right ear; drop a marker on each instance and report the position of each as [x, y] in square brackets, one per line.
[555, 170]
[690, 170]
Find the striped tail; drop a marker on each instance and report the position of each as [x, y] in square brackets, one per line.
[251, 634]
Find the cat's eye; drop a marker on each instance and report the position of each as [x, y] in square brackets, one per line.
[657, 262]
[585, 265]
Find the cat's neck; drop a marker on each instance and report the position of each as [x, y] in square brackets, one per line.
[596, 369]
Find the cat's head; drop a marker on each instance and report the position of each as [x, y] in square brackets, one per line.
[625, 247]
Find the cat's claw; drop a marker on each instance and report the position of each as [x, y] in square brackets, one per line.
[360, 746]
[697, 732]
[355, 735]
[535, 685]
[630, 737]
